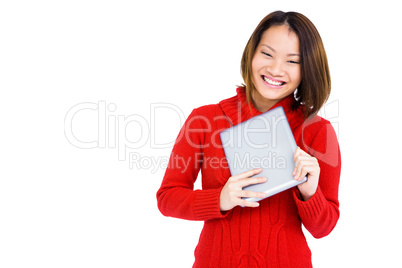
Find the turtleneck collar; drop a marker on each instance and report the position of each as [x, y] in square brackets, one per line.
[237, 109]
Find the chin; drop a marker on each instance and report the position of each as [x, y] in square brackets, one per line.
[274, 94]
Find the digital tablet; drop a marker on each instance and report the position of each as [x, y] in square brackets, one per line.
[264, 141]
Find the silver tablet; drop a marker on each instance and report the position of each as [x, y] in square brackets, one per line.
[264, 141]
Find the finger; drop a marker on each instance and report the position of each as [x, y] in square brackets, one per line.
[246, 174]
[303, 159]
[299, 163]
[252, 194]
[300, 169]
[299, 152]
[302, 172]
[245, 203]
[249, 181]
[303, 152]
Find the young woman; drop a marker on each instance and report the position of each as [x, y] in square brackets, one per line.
[284, 64]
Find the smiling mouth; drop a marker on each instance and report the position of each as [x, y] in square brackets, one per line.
[272, 82]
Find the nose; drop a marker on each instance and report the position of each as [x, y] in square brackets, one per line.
[276, 68]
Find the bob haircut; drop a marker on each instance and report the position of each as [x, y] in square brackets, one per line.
[315, 86]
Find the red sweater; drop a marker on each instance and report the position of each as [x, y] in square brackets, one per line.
[269, 235]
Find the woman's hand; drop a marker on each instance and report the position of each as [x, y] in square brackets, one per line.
[305, 164]
[232, 192]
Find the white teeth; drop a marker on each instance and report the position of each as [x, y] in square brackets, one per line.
[269, 81]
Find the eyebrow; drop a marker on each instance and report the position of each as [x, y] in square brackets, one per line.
[290, 54]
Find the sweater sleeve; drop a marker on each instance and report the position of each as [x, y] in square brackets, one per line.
[321, 212]
[176, 196]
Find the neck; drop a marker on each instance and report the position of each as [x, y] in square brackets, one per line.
[262, 104]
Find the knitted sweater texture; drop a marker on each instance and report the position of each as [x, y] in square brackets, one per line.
[271, 234]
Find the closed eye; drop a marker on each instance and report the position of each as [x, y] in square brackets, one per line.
[266, 54]
[295, 62]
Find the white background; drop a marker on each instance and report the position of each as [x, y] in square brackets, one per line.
[65, 206]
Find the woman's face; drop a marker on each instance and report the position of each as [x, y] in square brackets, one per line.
[275, 66]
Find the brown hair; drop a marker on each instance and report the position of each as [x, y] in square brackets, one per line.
[315, 86]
